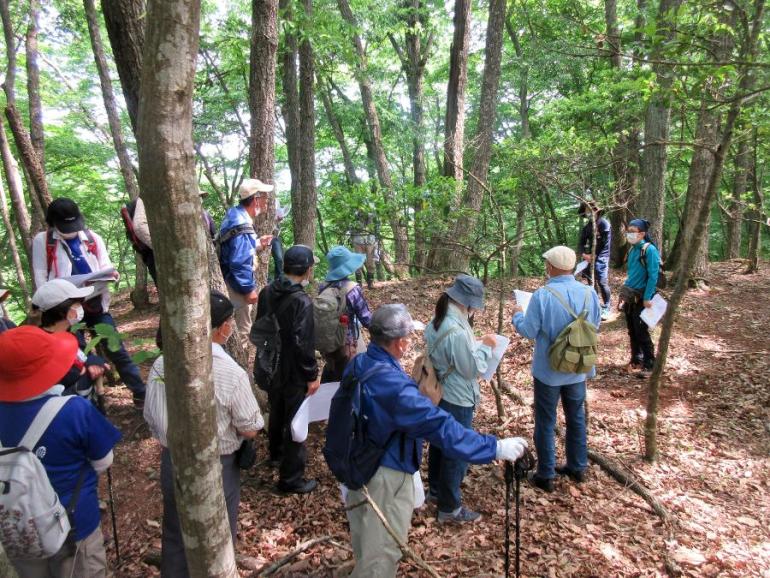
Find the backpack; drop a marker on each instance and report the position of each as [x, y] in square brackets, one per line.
[662, 281]
[350, 454]
[425, 375]
[266, 336]
[221, 239]
[127, 212]
[33, 523]
[328, 308]
[50, 250]
[575, 348]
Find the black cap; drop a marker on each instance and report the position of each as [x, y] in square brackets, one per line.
[64, 214]
[298, 259]
[221, 309]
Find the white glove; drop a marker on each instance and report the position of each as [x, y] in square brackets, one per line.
[511, 449]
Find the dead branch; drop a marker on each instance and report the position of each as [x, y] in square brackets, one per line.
[278, 564]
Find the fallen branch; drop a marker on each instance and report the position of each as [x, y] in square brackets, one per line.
[278, 564]
[628, 481]
[406, 550]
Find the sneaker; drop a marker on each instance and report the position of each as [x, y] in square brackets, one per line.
[606, 313]
[460, 517]
[304, 487]
[541, 483]
[577, 477]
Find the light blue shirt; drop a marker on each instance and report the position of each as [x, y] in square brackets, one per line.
[546, 318]
[461, 353]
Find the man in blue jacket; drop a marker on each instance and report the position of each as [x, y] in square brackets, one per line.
[238, 245]
[398, 412]
[545, 319]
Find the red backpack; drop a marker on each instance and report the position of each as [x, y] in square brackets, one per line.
[50, 250]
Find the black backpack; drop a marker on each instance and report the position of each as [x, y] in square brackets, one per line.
[266, 336]
[352, 457]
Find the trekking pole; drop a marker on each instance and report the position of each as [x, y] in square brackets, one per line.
[99, 386]
[508, 484]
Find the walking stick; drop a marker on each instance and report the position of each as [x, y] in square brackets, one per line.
[515, 471]
[99, 386]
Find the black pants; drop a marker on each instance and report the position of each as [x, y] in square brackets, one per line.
[642, 348]
[334, 366]
[284, 403]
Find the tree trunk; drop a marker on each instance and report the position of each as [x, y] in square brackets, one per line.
[125, 22]
[33, 84]
[169, 185]
[740, 185]
[20, 276]
[290, 106]
[474, 194]
[651, 202]
[16, 192]
[755, 241]
[305, 212]
[690, 249]
[264, 43]
[347, 160]
[139, 295]
[373, 123]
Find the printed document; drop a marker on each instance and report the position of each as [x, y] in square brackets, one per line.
[522, 298]
[314, 408]
[652, 315]
[497, 355]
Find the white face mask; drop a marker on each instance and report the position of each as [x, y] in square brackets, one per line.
[229, 334]
[67, 235]
[78, 309]
[305, 282]
[633, 238]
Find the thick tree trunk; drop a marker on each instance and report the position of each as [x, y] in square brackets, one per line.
[33, 84]
[16, 192]
[169, 185]
[290, 105]
[125, 21]
[21, 278]
[305, 212]
[373, 123]
[264, 44]
[740, 184]
[139, 295]
[474, 194]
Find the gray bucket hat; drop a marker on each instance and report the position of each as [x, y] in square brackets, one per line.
[467, 291]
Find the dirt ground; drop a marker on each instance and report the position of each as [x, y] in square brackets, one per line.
[712, 476]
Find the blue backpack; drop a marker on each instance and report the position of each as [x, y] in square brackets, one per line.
[352, 457]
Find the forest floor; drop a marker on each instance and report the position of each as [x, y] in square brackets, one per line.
[713, 475]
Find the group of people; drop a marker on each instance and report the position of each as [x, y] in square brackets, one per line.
[46, 361]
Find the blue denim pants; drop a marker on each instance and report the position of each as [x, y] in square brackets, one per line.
[444, 474]
[546, 401]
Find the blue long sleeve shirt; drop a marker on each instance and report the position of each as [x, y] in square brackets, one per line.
[640, 278]
[546, 317]
[237, 254]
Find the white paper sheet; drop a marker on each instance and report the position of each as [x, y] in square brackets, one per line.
[522, 298]
[652, 315]
[314, 408]
[419, 491]
[418, 325]
[497, 355]
[105, 275]
[580, 267]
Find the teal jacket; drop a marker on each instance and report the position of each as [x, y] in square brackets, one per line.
[458, 359]
[640, 278]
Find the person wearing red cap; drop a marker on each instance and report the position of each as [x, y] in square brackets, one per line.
[75, 447]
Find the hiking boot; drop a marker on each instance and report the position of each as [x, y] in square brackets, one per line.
[541, 483]
[461, 516]
[139, 401]
[644, 373]
[577, 477]
[304, 487]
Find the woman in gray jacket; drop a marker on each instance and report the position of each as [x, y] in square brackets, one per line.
[458, 360]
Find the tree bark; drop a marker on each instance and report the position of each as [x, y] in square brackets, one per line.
[755, 240]
[375, 132]
[169, 185]
[474, 193]
[454, 123]
[16, 192]
[740, 186]
[290, 105]
[305, 213]
[33, 84]
[125, 22]
[21, 278]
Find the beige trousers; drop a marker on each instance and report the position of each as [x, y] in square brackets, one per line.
[244, 314]
[377, 554]
[87, 560]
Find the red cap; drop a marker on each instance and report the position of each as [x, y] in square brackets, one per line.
[33, 360]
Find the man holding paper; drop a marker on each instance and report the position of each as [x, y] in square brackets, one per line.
[546, 317]
[68, 249]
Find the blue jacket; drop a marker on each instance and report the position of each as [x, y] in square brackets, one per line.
[394, 405]
[546, 317]
[236, 256]
[640, 278]
[603, 243]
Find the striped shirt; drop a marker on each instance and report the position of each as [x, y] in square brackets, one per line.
[237, 408]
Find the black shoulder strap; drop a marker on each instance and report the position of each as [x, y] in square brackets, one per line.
[76, 494]
[242, 229]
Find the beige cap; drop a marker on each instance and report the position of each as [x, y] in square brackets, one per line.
[251, 187]
[561, 257]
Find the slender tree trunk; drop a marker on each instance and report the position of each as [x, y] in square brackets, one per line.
[474, 194]
[264, 44]
[21, 278]
[16, 192]
[139, 295]
[755, 240]
[290, 105]
[740, 185]
[305, 212]
[373, 123]
[169, 185]
[347, 160]
[690, 249]
[33, 84]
